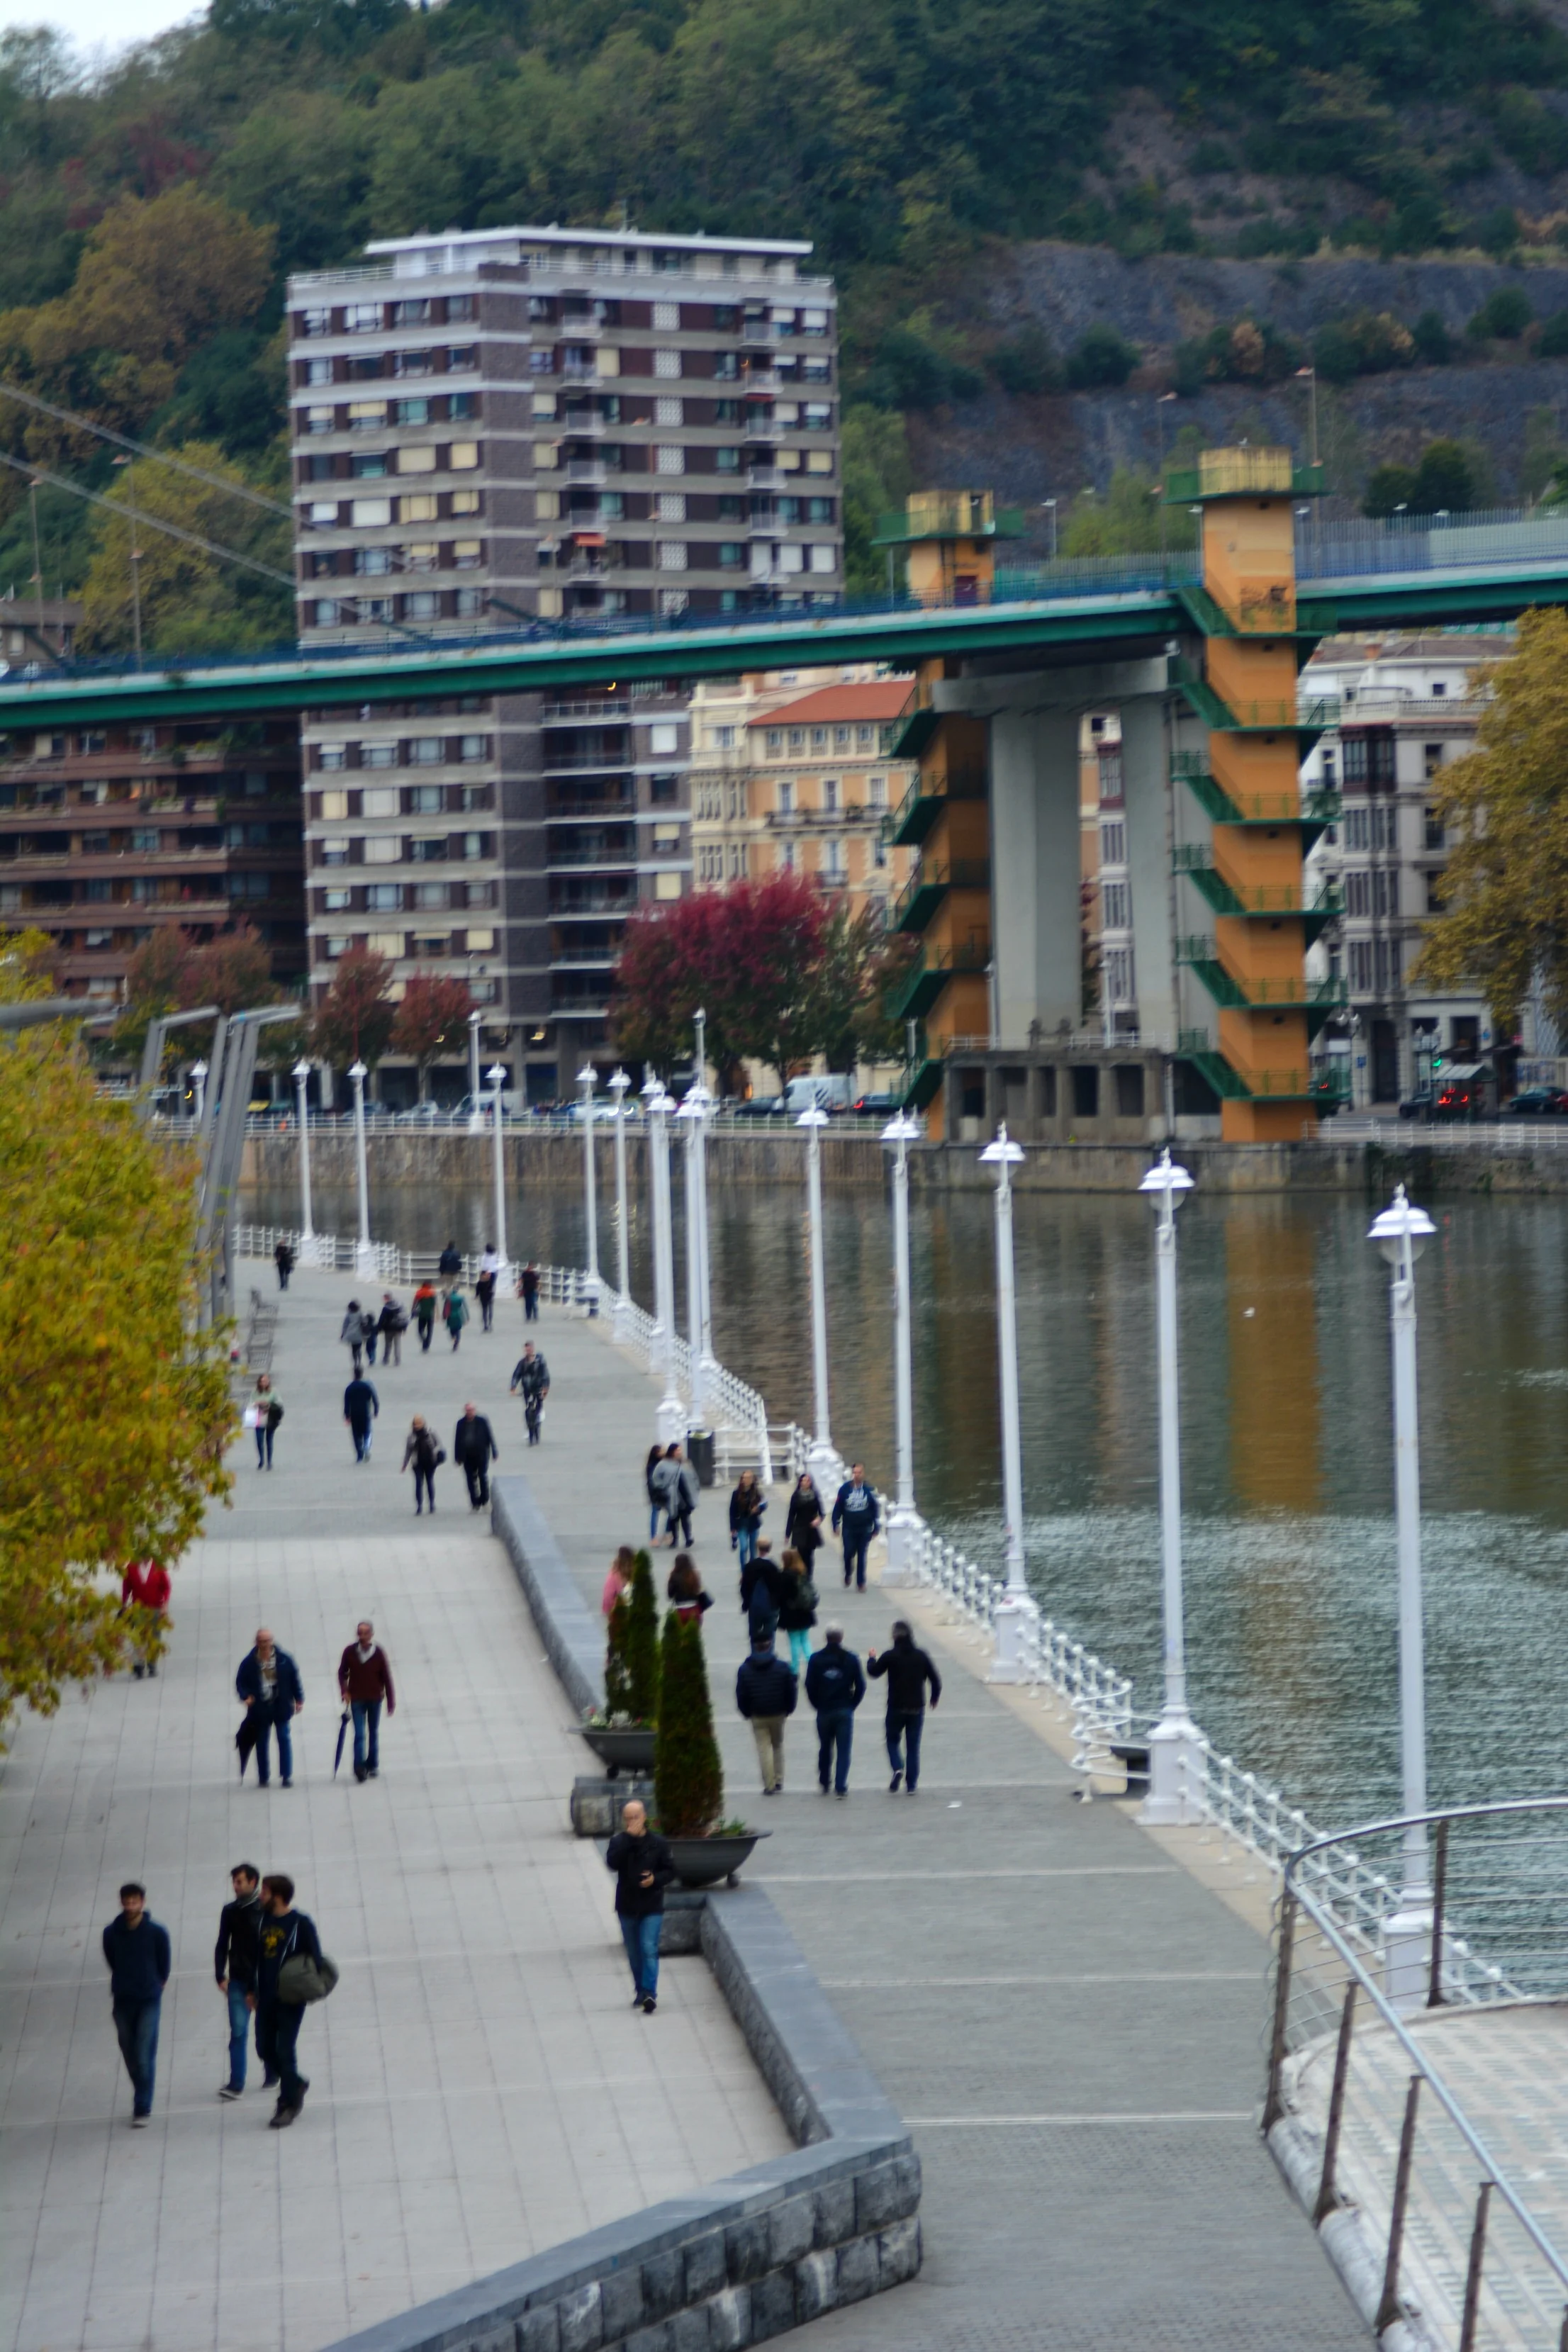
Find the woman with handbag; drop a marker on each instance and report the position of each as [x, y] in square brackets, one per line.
[427, 1456]
[262, 1416]
[802, 1522]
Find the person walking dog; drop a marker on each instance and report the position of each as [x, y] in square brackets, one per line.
[364, 1685]
[137, 1950]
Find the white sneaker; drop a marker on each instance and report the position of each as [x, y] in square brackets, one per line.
[140, 2123]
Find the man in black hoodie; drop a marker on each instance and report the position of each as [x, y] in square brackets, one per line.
[909, 1671]
[473, 1449]
[644, 1867]
[284, 1933]
[834, 1685]
[765, 1695]
[235, 1961]
[137, 1950]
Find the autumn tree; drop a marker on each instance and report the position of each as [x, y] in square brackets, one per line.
[193, 599]
[174, 971]
[858, 968]
[432, 1020]
[354, 1020]
[1505, 806]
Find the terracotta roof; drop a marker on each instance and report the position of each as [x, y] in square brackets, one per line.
[882, 698]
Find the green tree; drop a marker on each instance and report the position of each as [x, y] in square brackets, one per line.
[859, 965]
[354, 1020]
[687, 1777]
[191, 599]
[878, 478]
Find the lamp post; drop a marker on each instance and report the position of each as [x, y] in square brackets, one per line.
[1174, 1760]
[496, 1075]
[671, 1419]
[588, 1078]
[693, 1112]
[476, 1112]
[905, 1523]
[199, 1081]
[1016, 1612]
[301, 1077]
[365, 1255]
[705, 1257]
[621, 1319]
[822, 1458]
[1401, 1233]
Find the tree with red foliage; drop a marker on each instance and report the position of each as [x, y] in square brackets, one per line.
[354, 1019]
[172, 970]
[748, 956]
[432, 1020]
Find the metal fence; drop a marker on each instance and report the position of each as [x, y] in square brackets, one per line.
[1460, 1134]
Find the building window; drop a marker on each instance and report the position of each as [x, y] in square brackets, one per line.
[1385, 891]
[467, 554]
[786, 797]
[667, 363]
[666, 318]
[723, 739]
[1435, 835]
[732, 555]
[469, 600]
[461, 358]
[830, 795]
[669, 459]
[1110, 779]
[383, 898]
[877, 791]
[1113, 845]
[411, 412]
[381, 801]
[671, 554]
[462, 457]
[672, 506]
[328, 755]
[1358, 891]
[318, 420]
[424, 800]
[368, 465]
[776, 740]
[363, 318]
[663, 738]
[667, 411]
[1113, 902]
[415, 312]
[727, 461]
[378, 755]
[412, 363]
[424, 605]
[326, 612]
[373, 562]
[672, 601]
[1119, 975]
[318, 322]
[333, 853]
[473, 747]
[823, 559]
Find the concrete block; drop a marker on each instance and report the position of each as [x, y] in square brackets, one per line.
[899, 2251]
[689, 2330]
[663, 2284]
[705, 2271]
[729, 2320]
[622, 2309]
[596, 1801]
[772, 2305]
[833, 2208]
[540, 2331]
[815, 2285]
[857, 2272]
[582, 2320]
[650, 2340]
[886, 2192]
[495, 2339]
[746, 2249]
[790, 2228]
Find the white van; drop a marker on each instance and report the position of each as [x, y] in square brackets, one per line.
[836, 1091]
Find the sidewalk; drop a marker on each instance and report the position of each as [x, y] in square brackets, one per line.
[1069, 2021]
[480, 2088]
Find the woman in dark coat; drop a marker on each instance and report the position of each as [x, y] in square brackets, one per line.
[655, 1457]
[747, 1505]
[802, 1526]
[685, 1588]
[797, 1608]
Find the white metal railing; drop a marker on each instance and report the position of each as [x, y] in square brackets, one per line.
[284, 1120]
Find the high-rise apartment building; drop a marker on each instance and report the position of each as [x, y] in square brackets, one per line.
[540, 423]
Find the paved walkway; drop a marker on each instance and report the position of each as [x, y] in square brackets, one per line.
[1070, 2020]
[479, 2086]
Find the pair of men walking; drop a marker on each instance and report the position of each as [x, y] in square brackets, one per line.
[269, 1685]
[766, 1692]
[257, 1932]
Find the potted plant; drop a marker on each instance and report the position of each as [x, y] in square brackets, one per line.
[689, 1779]
[622, 1734]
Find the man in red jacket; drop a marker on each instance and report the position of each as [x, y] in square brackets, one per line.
[365, 1679]
[145, 1585]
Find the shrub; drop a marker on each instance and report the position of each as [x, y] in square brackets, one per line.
[910, 373]
[1553, 343]
[1434, 344]
[1445, 479]
[1101, 359]
[617, 1679]
[688, 1778]
[1334, 355]
[642, 1642]
[1391, 487]
[1502, 317]
[1025, 362]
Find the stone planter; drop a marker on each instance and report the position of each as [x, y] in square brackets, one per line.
[704, 1861]
[621, 1749]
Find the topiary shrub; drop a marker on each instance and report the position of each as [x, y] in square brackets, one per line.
[688, 1778]
[642, 1642]
[617, 1680]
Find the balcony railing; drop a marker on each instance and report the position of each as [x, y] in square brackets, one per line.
[918, 812]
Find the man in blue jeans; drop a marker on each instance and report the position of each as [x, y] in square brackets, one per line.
[137, 1950]
[835, 1684]
[235, 1964]
[268, 1682]
[909, 1670]
[644, 1867]
[855, 1510]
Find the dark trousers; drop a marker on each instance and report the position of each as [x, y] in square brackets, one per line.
[356, 1349]
[834, 1728]
[904, 1729]
[533, 1407]
[679, 1518]
[264, 1447]
[361, 1432]
[486, 1295]
[369, 1347]
[856, 1541]
[136, 2023]
[277, 2027]
[283, 1274]
[477, 1473]
[266, 1727]
[367, 1734]
[424, 1483]
[426, 1326]
[531, 1306]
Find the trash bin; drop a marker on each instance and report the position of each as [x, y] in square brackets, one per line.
[699, 1453]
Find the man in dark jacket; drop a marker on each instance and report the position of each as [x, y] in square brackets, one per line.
[235, 1961]
[909, 1671]
[762, 1590]
[765, 1695]
[474, 1447]
[361, 1405]
[532, 1377]
[644, 1867]
[856, 1511]
[284, 1933]
[137, 1950]
[834, 1685]
[365, 1683]
[450, 1263]
[268, 1682]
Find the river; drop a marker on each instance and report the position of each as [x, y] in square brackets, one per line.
[1287, 1462]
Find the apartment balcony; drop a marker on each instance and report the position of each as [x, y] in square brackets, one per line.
[762, 428]
[765, 477]
[924, 802]
[591, 471]
[600, 860]
[582, 959]
[584, 714]
[761, 380]
[590, 805]
[584, 901]
[918, 901]
[757, 330]
[601, 756]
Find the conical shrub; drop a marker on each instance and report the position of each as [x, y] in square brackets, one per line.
[617, 1677]
[642, 1644]
[688, 1778]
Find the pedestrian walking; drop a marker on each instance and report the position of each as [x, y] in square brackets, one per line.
[361, 1406]
[834, 1685]
[145, 1586]
[268, 1683]
[747, 1505]
[455, 1314]
[678, 1484]
[473, 1449]
[909, 1671]
[664, 1486]
[485, 1285]
[857, 1511]
[351, 1336]
[655, 1498]
[644, 1867]
[370, 1324]
[427, 1456]
[765, 1694]
[392, 1323]
[236, 1958]
[619, 1579]
[762, 1590]
[364, 1685]
[286, 1935]
[283, 1258]
[797, 1608]
[527, 1291]
[531, 1378]
[425, 1313]
[137, 1950]
[802, 1520]
[685, 1588]
[451, 1263]
[262, 1416]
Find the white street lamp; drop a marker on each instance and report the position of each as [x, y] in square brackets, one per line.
[705, 1256]
[693, 1112]
[365, 1255]
[301, 1077]
[1401, 1232]
[1016, 1614]
[588, 1078]
[475, 1110]
[671, 1421]
[496, 1075]
[622, 1321]
[822, 1459]
[905, 1525]
[199, 1081]
[1173, 1754]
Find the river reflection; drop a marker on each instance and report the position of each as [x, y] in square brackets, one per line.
[1286, 1458]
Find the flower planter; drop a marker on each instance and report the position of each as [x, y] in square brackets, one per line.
[704, 1861]
[621, 1747]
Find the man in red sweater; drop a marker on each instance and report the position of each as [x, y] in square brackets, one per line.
[145, 1585]
[365, 1679]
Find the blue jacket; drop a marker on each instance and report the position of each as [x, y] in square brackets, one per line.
[766, 1686]
[290, 1689]
[360, 1402]
[861, 1515]
[138, 1958]
[835, 1679]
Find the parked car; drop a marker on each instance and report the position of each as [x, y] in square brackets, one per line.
[757, 1107]
[1419, 1104]
[878, 1106]
[1537, 1102]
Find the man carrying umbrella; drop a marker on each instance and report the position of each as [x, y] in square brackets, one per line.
[365, 1679]
[268, 1683]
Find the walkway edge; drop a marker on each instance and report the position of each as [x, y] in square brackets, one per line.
[754, 2255]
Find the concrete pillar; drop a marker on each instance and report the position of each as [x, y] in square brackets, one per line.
[1035, 871]
[1146, 785]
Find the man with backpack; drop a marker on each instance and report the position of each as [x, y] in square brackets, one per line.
[287, 1936]
[532, 1378]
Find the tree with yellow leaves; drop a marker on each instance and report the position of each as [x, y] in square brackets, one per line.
[1505, 889]
[116, 1409]
[192, 600]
